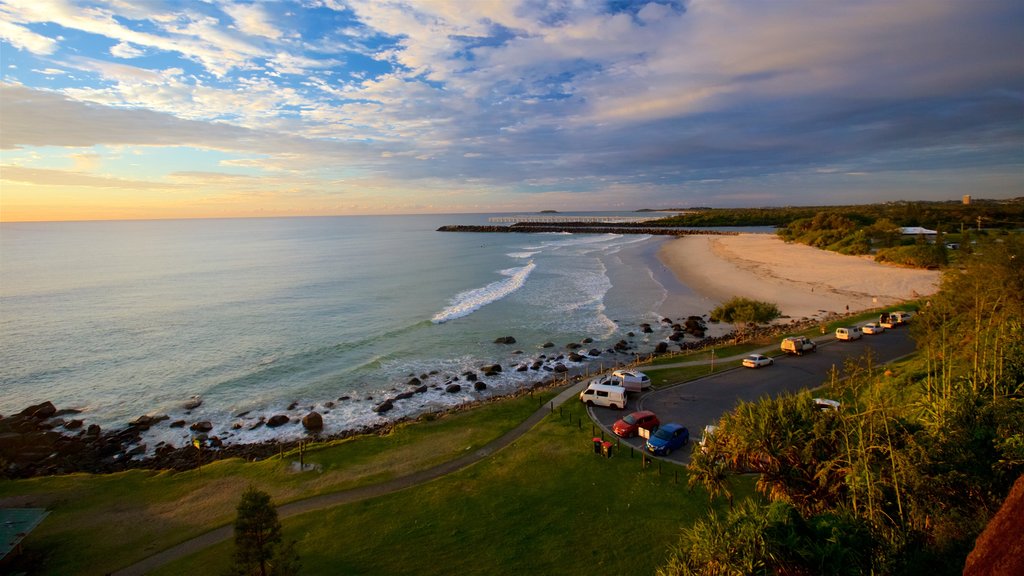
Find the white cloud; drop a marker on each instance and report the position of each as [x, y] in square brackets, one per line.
[252, 19]
[24, 39]
[125, 50]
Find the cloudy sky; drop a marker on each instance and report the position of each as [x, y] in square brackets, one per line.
[191, 108]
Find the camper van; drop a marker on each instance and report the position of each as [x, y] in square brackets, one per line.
[609, 395]
[631, 380]
[848, 333]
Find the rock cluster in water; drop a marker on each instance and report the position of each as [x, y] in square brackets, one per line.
[42, 440]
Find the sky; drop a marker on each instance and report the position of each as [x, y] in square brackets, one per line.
[126, 109]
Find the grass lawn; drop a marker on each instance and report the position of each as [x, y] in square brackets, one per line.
[545, 505]
[99, 523]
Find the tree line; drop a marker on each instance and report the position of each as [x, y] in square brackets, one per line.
[906, 473]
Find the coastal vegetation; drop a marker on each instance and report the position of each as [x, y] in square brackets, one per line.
[949, 216]
[873, 228]
[906, 473]
[742, 311]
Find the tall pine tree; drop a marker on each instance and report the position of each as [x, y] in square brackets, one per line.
[258, 549]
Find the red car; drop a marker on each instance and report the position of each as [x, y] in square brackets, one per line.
[627, 426]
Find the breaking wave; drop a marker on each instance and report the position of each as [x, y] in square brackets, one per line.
[465, 303]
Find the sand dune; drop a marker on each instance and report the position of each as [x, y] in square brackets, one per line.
[802, 281]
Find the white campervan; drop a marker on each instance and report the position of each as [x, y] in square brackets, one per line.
[848, 333]
[631, 380]
[604, 395]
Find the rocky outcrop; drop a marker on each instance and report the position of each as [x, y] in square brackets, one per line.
[505, 340]
[201, 427]
[278, 420]
[313, 422]
[1000, 549]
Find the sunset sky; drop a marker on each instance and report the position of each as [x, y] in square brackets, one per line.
[188, 108]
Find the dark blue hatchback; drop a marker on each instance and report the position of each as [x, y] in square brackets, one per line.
[668, 438]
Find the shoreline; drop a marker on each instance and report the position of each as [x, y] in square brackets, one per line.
[803, 281]
[806, 283]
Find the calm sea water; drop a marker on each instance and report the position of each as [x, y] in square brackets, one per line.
[122, 319]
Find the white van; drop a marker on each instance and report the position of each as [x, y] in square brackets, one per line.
[604, 395]
[631, 380]
[848, 333]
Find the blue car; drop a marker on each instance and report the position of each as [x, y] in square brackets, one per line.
[668, 438]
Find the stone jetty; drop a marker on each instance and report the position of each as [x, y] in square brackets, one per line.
[586, 228]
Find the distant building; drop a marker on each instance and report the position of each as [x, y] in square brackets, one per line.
[967, 199]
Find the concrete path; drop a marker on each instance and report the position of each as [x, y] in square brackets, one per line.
[337, 498]
[347, 496]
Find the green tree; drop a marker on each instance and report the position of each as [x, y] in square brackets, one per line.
[258, 539]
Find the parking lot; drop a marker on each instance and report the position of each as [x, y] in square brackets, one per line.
[697, 403]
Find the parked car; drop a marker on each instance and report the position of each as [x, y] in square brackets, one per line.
[872, 328]
[757, 360]
[848, 333]
[631, 380]
[597, 394]
[826, 404]
[893, 319]
[709, 431]
[668, 438]
[798, 345]
[629, 425]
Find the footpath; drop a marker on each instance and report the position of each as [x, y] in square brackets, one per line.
[366, 492]
[337, 498]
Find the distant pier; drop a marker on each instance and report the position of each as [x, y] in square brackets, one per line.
[564, 219]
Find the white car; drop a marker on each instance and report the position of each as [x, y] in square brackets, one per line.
[757, 360]
[872, 328]
[827, 404]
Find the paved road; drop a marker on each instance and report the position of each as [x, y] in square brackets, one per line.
[697, 403]
[693, 403]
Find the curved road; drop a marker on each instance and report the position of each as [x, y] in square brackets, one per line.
[694, 403]
[697, 403]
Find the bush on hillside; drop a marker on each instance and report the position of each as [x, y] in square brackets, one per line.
[743, 310]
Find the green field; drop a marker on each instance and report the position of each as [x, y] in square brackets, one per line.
[545, 503]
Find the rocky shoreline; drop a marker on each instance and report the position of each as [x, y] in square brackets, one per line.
[43, 440]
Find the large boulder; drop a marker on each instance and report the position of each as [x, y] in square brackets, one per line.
[203, 426]
[384, 407]
[453, 388]
[505, 340]
[193, 403]
[278, 420]
[661, 348]
[313, 422]
[479, 386]
[40, 411]
[490, 369]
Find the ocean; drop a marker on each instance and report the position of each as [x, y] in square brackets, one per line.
[125, 318]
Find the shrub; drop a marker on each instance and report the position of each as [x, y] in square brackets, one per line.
[743, 310]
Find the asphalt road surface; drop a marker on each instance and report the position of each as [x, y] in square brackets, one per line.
[697, 403]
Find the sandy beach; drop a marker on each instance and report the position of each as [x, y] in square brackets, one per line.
[804, 282]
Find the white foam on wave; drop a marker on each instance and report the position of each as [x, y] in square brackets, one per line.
[522, 255]
[467, 302]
